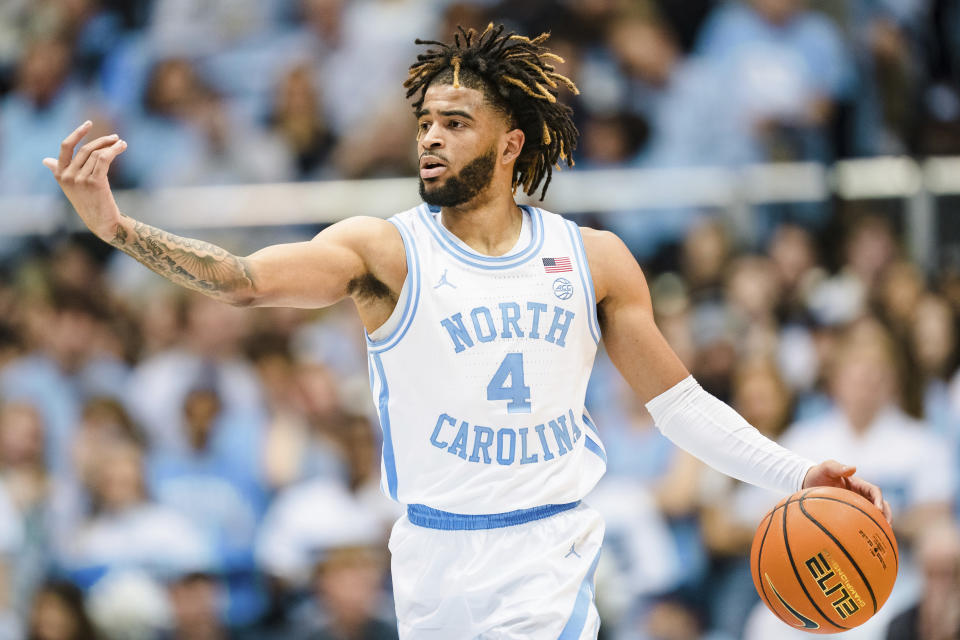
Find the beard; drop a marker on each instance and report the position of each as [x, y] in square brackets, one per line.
[465, 185]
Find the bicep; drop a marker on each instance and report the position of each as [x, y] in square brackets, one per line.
[318, 273]
[630, 334]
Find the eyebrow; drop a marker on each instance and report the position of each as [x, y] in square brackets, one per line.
[448, 113]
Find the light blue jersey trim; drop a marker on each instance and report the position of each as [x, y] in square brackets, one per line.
[578, 617]
[389, 462]
[592, 446]
[446, 241]
[586, 279]
[424, 516]
[589, 422]
[413, 299]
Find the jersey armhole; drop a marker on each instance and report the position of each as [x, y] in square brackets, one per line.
[408, 301]
[586, 278]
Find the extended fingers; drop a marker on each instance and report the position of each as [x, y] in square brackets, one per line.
[79, 164]
[106, 157]
[96, 165]
[66, 147]
[871, 492]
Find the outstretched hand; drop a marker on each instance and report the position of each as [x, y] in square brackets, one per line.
[83, 178]
[833, 474]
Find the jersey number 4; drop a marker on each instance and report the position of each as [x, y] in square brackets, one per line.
[517, 393]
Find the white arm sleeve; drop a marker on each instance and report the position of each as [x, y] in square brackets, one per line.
[696, 421]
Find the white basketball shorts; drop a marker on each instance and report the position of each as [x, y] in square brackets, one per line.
[530, 581]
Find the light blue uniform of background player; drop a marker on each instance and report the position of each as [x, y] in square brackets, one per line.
[483, 319]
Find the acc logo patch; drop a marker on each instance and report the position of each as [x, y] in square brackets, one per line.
[562, 288]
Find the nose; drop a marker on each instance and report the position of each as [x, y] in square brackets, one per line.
[431, 138]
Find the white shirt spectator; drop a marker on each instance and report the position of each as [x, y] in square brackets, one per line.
[308, 518]
[910, 463]
[148, 536]
[160, 384]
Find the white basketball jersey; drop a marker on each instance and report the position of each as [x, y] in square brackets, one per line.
[480, 381]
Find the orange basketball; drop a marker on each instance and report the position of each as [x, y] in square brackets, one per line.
[824, 560]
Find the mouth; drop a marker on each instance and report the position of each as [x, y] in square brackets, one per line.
[431, 167]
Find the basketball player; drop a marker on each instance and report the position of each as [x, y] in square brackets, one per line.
[482, 321]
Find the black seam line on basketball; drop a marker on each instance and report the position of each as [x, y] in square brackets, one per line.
[893, 547]
[845, 552]
[796, 573]
[807, 622]
[760, 558]
[763, 541]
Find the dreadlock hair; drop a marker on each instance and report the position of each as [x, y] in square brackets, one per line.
[515, 74]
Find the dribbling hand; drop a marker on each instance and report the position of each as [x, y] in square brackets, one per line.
[83, 178]
[833, 474]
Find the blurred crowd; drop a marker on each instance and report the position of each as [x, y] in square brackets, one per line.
[174, 468]
[281, 90]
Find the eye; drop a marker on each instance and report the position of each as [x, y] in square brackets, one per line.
[456, 124]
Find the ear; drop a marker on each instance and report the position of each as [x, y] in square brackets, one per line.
[512, 145]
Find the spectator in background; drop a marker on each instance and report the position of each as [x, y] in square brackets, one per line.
[680, 101]
[32, 117]
[104, 423]
[751, 297]
[936, 615]
[347, 591]
[25, 480]
[704, 259]
[786, 70]
[12, 542]
[729, 513]
[228, 158]
[682, 98]
[932, 344]
[218, 492]
[209, 353]
[891, 39]
[22, 462]
[126, 530]
[915, 467]
[312, 446]
[69, 364]
[58, 613]
[168, 143]
[869, 248]
[298, 119]
[160, 319]
[794, 255]
[195, 603]
[305, 414]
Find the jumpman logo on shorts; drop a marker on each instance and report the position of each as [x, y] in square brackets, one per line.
[444, 281]
[572, 552]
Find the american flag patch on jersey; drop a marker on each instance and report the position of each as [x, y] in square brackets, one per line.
[557, 265]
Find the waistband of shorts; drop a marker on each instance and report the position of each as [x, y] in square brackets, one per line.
[424, 516]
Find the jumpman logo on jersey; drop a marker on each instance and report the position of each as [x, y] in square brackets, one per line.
[572, 552]
[444, 281]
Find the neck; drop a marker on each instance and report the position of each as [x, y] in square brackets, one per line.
[490, 226]
[861, 418]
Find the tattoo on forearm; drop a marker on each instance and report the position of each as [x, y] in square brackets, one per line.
[194, 264]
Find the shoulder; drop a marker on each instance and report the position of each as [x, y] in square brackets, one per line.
[376, 241]
[611, 262]
[364, 229]
[725, 21]
[904, 432]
